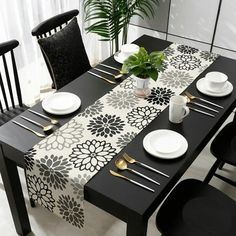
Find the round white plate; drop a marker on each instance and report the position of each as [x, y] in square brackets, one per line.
[165, 144]
[202, 87]
[119, 58]
[61, 103]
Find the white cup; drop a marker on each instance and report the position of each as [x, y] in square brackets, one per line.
[178, 109]
[128, 50]
[216, 81]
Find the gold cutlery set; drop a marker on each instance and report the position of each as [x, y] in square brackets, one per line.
[47, 129]
[121, 164]
[191, 100]
[116, 77]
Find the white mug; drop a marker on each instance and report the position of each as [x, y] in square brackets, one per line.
[178, 109]
[216, 80]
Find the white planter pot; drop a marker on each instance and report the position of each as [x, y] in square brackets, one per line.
[141, 86]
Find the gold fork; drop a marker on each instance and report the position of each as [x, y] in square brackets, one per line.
[132, 160]
[191, 97]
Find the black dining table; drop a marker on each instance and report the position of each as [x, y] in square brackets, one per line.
[123, 200]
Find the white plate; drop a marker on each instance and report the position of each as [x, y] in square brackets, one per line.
[119, 58]
[61, 103]
[165, 144]
[202, 87]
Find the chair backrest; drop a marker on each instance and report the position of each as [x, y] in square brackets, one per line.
[53, 24]
[48, 28]
[9, 86]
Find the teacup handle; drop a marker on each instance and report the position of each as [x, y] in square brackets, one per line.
[186, 111]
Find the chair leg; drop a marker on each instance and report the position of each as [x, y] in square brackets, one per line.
[229, 181]
[221, 165]
[212, 171]
[32, 203]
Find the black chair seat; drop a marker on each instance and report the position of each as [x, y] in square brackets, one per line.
[194, 208]
[8, 115]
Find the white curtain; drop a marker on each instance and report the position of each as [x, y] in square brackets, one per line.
[17, 19]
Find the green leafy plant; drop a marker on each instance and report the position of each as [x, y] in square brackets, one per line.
[144, 65]
[109, 18]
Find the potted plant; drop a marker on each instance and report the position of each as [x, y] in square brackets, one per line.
[109, 18]
[144, 66]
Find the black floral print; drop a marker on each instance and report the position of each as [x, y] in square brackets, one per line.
[106, 125]
[160, 96]
[124, 139]
[176, 79]
[187, 49]
[78, 185]
[55, 170]
[208, 56]
[121, 99]
[40, 193]
[92, 155]
[29, 160]
[93, 109]
[71, 211]
[140, 117]
[185, 62]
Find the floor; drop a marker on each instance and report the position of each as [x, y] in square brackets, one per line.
[100, 223]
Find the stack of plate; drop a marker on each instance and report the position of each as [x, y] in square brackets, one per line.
[203, 87]
[166, 144]
[61, 103]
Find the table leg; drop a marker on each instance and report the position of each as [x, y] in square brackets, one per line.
[137, 227]
[14, 193]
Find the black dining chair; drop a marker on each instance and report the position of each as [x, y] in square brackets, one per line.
[195, 208]
[223, 148]
[62, 47]
[11, 103]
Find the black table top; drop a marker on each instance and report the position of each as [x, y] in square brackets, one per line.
[118, 197]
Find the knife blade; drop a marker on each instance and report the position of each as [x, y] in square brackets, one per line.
[203, 106]
[202, 112]
[211, 103]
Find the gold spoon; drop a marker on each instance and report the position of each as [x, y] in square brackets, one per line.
[116, 77]
[122, 165]
[45, 128]
[132, 160]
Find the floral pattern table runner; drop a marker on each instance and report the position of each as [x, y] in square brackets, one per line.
[60, 165]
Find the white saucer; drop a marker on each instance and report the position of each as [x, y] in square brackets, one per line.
[165, 144]
[202, 87]
[119, 58]
[61, 103]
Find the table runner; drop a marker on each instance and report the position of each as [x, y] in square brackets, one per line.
[59, 166]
